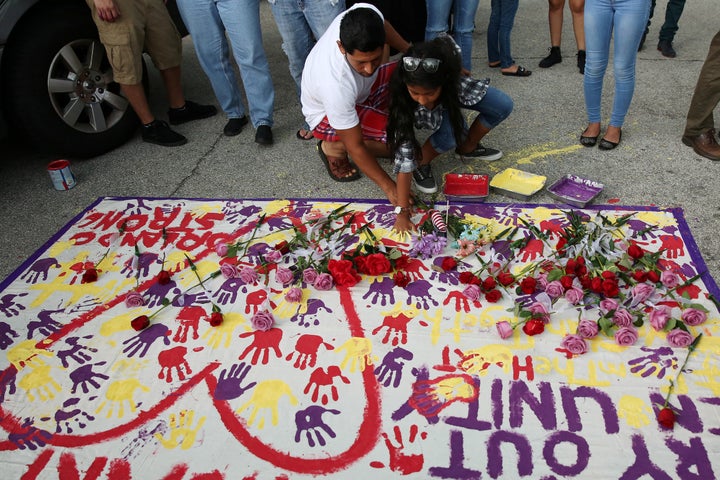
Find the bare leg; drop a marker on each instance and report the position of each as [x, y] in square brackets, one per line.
[555, 19]
[378, 149]
[577, 7]
[138, 100]
[173, 87]
[475, 133]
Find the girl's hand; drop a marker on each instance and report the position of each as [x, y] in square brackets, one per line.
[403, 224]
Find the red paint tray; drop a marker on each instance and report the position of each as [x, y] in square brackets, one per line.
[466, 187]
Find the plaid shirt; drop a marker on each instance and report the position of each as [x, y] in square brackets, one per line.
[470, 92]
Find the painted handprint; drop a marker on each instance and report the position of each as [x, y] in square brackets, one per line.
[173, 360]
[395, 327]
[310, 422]
[655, 363]
[262, 344]
[7, 334]
[449, 277]
[45, 324]
[75, 351]
[70, 416]
[227, 292]
[9, 306]
[84, 377]
[229, 385]
[311, 315]
[673, 245]
[26, 354]
[157, 292]
[400, 461]
[321, 381]
[142, 268]
[532, 250]
[390, 370]
[39, 381]
[142, 341]
[120, 395]
[39, 270]
[358, 353]
[306, 350]
[419, 294]
[430, 397]
[415, 268]
[462, 302]
[381, 291]
[181, 427]
[188, 320]
[29, 436]
[266, 397]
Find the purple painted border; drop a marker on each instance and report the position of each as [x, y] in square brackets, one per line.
[677, 212]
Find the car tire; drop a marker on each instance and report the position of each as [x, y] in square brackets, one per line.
[58, 84]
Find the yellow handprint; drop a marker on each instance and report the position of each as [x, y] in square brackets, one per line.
[181, 426]
[223, 333]
[358, 353]
[40, 379]
[635, 411]
[266, 396]
[285, 309]
[25, 354]
[118, 393]
[479, 360]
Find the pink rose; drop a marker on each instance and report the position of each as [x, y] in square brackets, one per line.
[574, 344]
[659, 317]
[588, 328]
[248, 275]
[679, 338]
[229, 270]
[626, 336]
[324, 281]
[574, 295]
[294, 295]
[641, 292]
[622, 318]
[472, 292]
[309, 275]
[554, 289]
[542, 280]
[608, 304]
[273, 256]
[284, 275]
[669, 279]
[504, 329]
[262, 320]
[134, 299]
[693, 317]
[221, 249]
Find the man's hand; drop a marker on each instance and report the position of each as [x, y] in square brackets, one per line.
[107, 11]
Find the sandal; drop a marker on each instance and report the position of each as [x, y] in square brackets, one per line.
[520, 72]
[494, 65]
[308, 135]
[339, 169]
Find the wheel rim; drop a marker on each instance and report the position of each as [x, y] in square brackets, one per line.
[82, 90]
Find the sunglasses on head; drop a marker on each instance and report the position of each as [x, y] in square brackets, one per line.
[430, 65]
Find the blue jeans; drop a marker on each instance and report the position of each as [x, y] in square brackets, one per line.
[495, 107]
[207, 21]
[502, 18]
[463, 11]
[623, 20]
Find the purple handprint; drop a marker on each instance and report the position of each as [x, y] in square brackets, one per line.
[7, 382]
[279, 223]
[156, 293]
[229, 384]
[39, 270]
[45, 324]
[315, 307]
[451, 277]
[146, 261]
[310, 422]
[390, 370]
[656, 362]
[419, 293]
[84, 376]
[6, 335]
[232, 214]
[381, 291]
[142, 341]
[9, 306]
[29, 436]
[75, 352]
[228, 291]
[63, 418]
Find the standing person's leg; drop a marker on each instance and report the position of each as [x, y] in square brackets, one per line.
[242, 24]
[507, 20]
[577, 8]
[493, 34]
[598, 31]
[669, 28]
[555, 21]
[700, 126]
[463, 28]
[647, 27]
[438, 14]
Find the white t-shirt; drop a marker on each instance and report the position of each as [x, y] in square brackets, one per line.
[329, 84]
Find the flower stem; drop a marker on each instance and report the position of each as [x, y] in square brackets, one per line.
[691, 349]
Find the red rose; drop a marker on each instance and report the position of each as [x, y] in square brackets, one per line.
[140, 322]
[343, 272]
[493, 296]
[608, 274]
[566, 281]
[360, 265]
[163, 277]
[581, 270]
[506, 278]
[283, 247]
[666, 418]
[534, 326]
[448, 263]
[402, 262]
[377, 264]
[585, 281]
[489, 283]
[528, 285]
[89, 276]
[401, 279]
[468, 278]
[596, 284]
[610, 287]
[653, 276]
[215, 319]
[570, 266]
[639, 275]
[635, 251]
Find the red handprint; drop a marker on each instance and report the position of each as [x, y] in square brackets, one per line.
[255, 300]
[400, 461]
[532, 250]
[396, 327]
[553, 227]
[173, 359]
[673, 246]
[188, 318]
[413, 268]
[461, 301]
[319, 378]
[306, 348]
[262, 343]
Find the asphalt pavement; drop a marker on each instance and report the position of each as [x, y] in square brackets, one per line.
[650, 167]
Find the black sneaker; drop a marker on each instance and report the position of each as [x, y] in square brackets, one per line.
[234, 126]
[482, 153]
[424, 179]
[159, 133]
[642, 41]
[552, 59]
[191, 111]
[665, 47]
[264, 135]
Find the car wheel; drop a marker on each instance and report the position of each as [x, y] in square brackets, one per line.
[59, 85]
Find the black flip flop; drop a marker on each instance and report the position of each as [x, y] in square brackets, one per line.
[520, 72]
[308, 136]
[326, 161]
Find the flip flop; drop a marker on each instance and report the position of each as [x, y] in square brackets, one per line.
[520, 72]
[338, 163]
[308, 134]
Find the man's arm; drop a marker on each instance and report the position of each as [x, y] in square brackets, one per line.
[107, 10]
[394, 39]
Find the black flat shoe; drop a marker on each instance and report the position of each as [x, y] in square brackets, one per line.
[607, 144]
[588, 141]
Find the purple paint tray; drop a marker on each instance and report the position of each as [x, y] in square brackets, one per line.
[575, 190]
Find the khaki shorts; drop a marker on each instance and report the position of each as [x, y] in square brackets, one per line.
[143, 25]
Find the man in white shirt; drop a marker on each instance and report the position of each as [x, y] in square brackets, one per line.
[344, 94]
